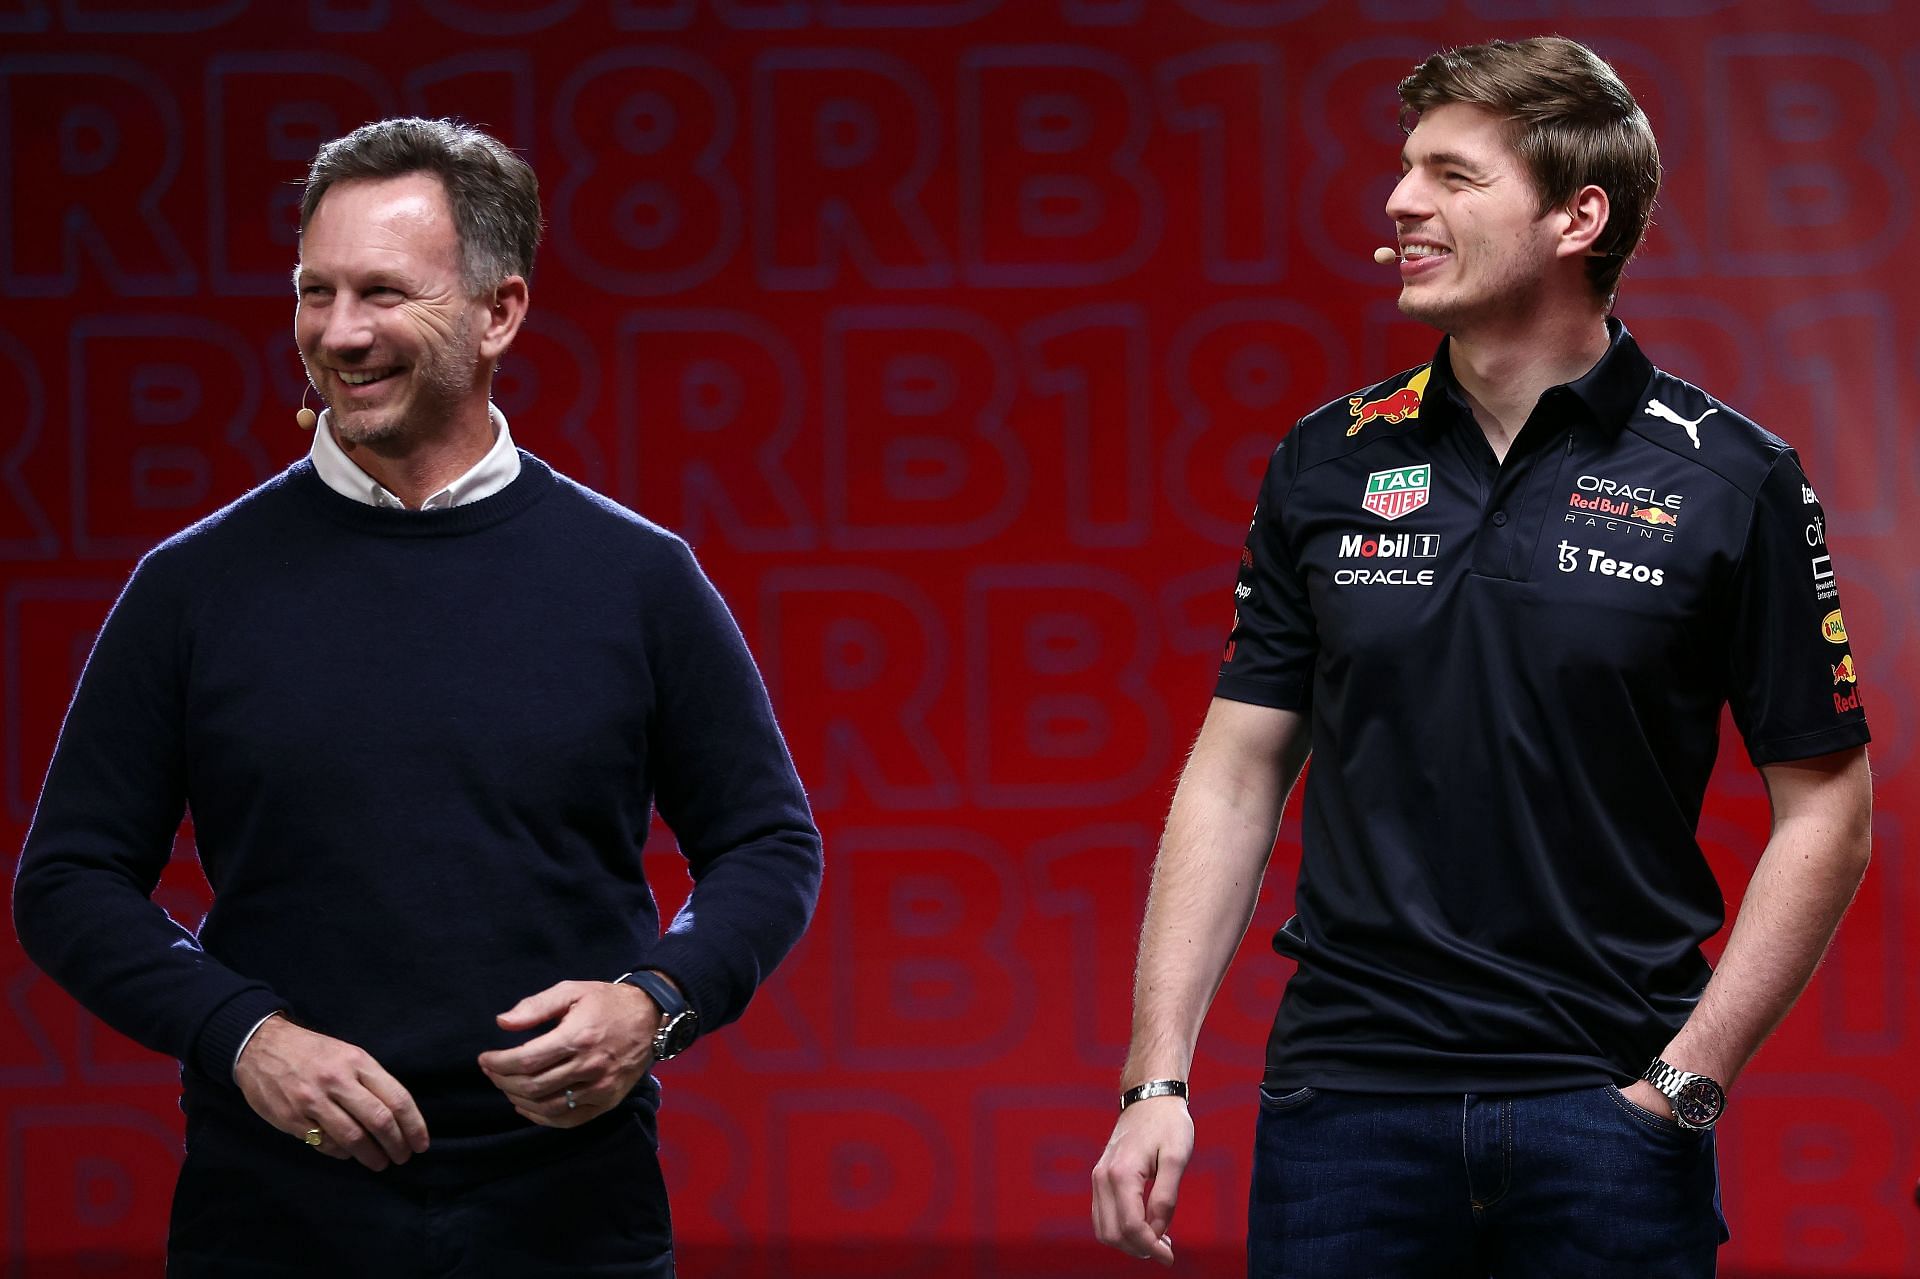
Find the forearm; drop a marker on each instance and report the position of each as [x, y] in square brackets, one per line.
[127, 962]
[1812, 865]
[1206, 880]
[748, 908]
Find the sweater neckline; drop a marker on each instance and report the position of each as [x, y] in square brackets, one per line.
[534, 482]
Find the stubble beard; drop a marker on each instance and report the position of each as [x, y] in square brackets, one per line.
[442, 379]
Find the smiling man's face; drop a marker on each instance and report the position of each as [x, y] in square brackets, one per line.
[386, 327]
[1475, 246]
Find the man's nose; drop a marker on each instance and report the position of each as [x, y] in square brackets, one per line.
[1408, 201]
[349, 326]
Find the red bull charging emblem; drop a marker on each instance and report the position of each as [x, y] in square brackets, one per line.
[1397, 407]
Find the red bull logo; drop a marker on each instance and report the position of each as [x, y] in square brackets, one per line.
[1398, 407]
[1844, 673]
[1652, 514]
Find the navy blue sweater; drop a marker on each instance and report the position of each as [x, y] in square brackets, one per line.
[420, 752]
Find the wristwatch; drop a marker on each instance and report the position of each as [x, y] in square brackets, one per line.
[1697, 1100]
[679, 1023]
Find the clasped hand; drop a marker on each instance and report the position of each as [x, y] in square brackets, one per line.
[600, 1044]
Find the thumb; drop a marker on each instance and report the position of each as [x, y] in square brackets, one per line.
[547, 1005]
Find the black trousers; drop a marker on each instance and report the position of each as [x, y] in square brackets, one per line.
[593, 1203]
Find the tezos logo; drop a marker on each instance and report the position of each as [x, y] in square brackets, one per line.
[1606, 566]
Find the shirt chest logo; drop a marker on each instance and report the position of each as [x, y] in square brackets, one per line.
[1617, 507]
[1575, 558]
[1400, 491]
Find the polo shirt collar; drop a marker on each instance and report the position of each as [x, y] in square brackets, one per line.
[1610, 390]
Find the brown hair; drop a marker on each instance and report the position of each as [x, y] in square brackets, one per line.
[1569, 119]
[493, 193]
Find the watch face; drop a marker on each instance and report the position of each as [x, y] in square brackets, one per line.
[1699, 1103]
[674, 1037]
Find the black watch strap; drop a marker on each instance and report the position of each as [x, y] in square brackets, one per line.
[679, 1023]
[660, 990]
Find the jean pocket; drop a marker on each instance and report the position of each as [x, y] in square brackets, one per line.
[1272, 1101]
[1651, 1121]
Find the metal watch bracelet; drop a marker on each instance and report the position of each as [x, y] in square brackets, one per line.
[1154, 1088]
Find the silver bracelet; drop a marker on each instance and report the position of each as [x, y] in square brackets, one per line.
[1154, 1088]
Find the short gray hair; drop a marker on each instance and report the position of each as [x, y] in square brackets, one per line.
[493, 192]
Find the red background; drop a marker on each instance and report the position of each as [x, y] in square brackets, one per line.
[954, 333]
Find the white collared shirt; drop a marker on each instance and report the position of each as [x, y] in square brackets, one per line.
[485, 478]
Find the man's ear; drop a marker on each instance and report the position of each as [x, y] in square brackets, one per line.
[1584, 219]
[506, 308]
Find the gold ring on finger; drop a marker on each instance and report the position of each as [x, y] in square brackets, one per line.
[313, 1137]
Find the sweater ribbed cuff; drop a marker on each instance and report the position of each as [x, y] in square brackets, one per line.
[698, 978]
[223, 1033]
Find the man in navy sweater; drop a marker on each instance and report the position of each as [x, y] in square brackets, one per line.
[420, 695]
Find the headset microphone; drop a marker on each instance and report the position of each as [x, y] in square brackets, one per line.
[1384, 255]
[306, 417]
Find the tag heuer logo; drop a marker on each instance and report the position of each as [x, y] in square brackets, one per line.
[1391, 494]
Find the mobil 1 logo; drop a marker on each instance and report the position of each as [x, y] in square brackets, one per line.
[1389, 546]
[1393, 548]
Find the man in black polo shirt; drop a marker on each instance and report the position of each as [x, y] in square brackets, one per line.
[1502, 598]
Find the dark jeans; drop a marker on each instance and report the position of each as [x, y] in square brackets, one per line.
[1565, 1185]
[271, 1207]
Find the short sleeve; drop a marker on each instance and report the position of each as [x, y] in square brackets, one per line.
[1794, 685]
[1270, 652]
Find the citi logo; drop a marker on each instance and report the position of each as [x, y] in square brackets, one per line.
[1391, 546]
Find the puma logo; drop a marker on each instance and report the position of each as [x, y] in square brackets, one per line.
[1661, 411]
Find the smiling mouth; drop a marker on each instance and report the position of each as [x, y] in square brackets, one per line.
[365, 377]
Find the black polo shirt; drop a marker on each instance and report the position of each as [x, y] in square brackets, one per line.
[1514, 672]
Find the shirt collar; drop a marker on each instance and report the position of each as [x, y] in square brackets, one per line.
[484, 478]
[1610, 390]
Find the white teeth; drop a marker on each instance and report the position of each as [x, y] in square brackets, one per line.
[1423, 251]
[361, 379]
